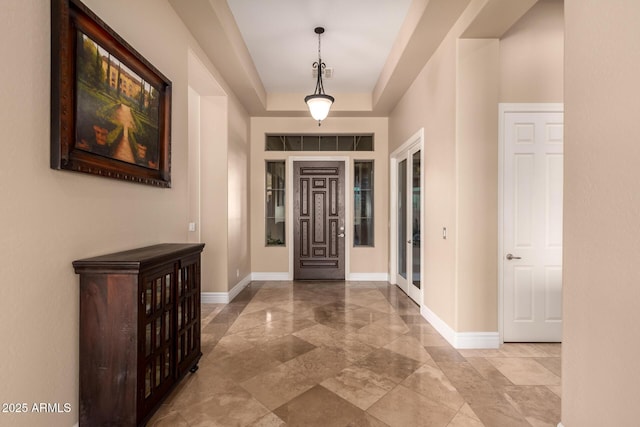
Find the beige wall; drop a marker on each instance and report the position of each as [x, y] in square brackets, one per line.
[276, 259]
[218, 176]
[213, 194]
[455, 98]
[239, 256]
[430, 103]
[600, 368]
[50, 218]
[478, 82]
[532, 55]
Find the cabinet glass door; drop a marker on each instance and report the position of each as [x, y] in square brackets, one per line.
[188, 331]
[156, 300]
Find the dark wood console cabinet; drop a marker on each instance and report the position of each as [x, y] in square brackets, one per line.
[139, 330]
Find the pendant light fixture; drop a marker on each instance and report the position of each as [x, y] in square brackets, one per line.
[319, 103]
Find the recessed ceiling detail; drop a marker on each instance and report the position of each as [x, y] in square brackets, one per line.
[359, 37]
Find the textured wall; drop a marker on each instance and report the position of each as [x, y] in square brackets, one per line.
[49, 218]
[600, 369]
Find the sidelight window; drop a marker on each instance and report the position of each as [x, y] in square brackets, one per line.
[275, 206]
[363, 203]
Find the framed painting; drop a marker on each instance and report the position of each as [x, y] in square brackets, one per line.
[110, 108]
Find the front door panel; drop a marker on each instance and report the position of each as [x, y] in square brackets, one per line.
[319, 228]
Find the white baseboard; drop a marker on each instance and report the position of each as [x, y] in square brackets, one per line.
[284, 276]
[461, 340]
[214, 297]
[271, 277]
[239, 287]
[369, 277]
[225, 297]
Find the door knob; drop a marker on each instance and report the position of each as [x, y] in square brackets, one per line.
[510, 257]
[409, 241]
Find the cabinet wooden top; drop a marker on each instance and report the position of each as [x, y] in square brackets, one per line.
[134, 260]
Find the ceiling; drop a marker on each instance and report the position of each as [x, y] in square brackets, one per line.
[358, 37]
[264, 49]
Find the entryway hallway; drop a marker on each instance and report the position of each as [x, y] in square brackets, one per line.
[357, 354]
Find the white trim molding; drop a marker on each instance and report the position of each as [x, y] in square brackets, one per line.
[271, 276]
[214, 297]
[225, 297]
[370, 277]
[461, 340]
[560, 425]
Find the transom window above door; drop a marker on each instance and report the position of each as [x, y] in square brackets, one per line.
[324, 142]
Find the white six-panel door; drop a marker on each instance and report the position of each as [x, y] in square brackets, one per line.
[532, 226]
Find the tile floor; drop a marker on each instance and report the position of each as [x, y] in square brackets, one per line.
[353, 354]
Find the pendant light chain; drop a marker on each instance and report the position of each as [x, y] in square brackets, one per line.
[320, 67]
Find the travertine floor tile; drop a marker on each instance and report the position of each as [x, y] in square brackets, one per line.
[539, 405]
[278, 385]
[402, 407]
[359, 386]
[269, 420]
[522, 350]
[320, 363]
[525, 371]
[376, 335]
[356, 354]
[244, 365]
[394, 366]
[499, 414]
[461, 420]
[321, 407]
[410, 347]
[445, 354]
[490, 373]
[551, 363]
[556, 389]
[287, 347]
[229, 405]
[170, 419]
[431, 382]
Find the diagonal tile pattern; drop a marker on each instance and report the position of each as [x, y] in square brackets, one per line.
[353, 354]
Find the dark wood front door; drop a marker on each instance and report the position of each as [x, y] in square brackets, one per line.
[318, 210]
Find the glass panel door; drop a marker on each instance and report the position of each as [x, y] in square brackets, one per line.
[402, 220]
[409, 222]
[416, 220]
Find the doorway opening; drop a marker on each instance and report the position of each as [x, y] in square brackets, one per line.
[407, 217]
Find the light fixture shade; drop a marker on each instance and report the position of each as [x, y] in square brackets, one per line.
[319, 105]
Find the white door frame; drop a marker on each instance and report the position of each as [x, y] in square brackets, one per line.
[348, 220]
[415, 141]
[505, 108]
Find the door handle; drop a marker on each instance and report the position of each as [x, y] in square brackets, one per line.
[341, 235]
[409, 241]
[510, 257]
